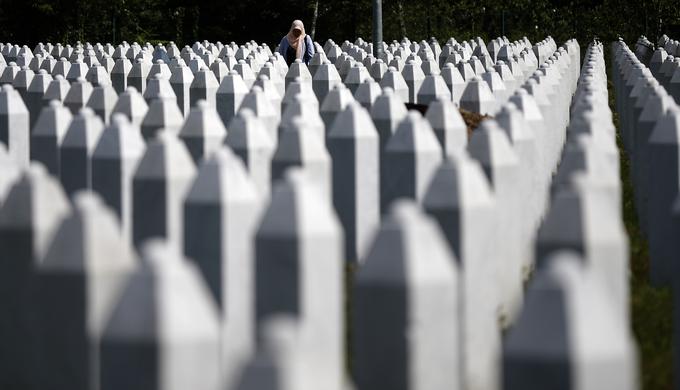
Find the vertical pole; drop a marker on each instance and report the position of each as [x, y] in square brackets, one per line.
[314, 18]
[429, 20]
[644, 6]
[377, 28]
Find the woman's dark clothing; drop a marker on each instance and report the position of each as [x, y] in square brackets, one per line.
[289, 53]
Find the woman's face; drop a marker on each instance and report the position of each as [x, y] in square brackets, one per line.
[297, 33]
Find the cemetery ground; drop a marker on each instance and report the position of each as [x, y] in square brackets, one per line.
[651, 307]
[443, 295]
[472, 121]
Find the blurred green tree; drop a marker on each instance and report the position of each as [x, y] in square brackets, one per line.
[185, 21]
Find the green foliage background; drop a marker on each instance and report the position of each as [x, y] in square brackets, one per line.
[184, 21]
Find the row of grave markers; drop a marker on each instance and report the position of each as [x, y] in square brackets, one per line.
[201, 132]
[665, 66]
[581, 248]
[242, 248]
[650, 130]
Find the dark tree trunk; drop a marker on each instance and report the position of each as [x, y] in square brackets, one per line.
[315, 16]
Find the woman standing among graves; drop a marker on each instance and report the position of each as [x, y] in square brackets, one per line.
[296, 44]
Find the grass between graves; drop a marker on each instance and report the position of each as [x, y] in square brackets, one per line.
[651, 308]
[350, 273]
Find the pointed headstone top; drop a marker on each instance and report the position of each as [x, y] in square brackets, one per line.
[477, 91]
[511, 120]
[132, 104]
[337, 98]
[166, 157]
[458, 183]
[158, 87]
[181, 74]
[120, 139]
[388, 106]
[667, 129]
[54, 118]
[88, 240]
[353, 122]
[11, 102]
[434, 87]
[84, 130]
[203, 120]
[527, 105]
[37, 203]
[490, 145]
[57, 89]
[165, 300]
[396, 253]
[232, 83]
[221, 176]
[298, 207]
[246, 131]
[205, 78]
[414, 133]
[443, 114]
